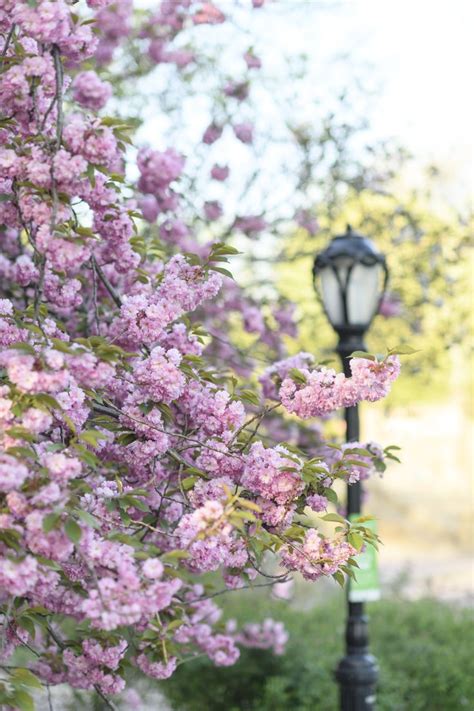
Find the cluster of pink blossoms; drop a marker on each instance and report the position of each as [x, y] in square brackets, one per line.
[357, 460]
[49, 22]
[145, 316]
[210, 539]
[113, 21]
[159, 376]
[267, 635]
[324, 390]
[272, 474]
[92, 668]
[273, 376]
[90, 91]
[157, 172]
[316, 556]
[251, 225]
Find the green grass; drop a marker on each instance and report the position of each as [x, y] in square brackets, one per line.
[425, 650]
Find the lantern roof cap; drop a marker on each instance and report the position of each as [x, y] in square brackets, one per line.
[350, 245]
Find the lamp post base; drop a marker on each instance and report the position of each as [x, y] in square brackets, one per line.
[357, 676]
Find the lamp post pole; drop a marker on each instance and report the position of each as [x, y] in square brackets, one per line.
[350, 276]
[357, 672]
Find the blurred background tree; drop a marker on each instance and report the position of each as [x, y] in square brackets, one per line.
[429, 301]
[314, 164]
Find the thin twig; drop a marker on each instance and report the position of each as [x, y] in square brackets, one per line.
[50, 700]
[106, 701]
[106, 283]
[94, 296]
[255, 430]
[5, 624]
[259, 415]
[58, 68]
[39, 292]
[114, 411]
[8, 40]
[244, 587]
[55, 637]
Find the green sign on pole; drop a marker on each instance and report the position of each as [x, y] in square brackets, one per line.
[366, 587]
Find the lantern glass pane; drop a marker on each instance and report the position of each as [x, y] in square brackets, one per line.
[363, 293]
[331, 296]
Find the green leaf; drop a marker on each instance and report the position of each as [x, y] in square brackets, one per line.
[355, 463]
[189, 482]
[402, 350]
[21, 452]
[221, 248]
[194, 470]
[362, 519]
[23, 701]
[87, 518]
[23, 346]
[166, 412]
[352, 561]
[112, 121]
[47, 400]
[221, 270]
[63, 347]
[69, 422]
[84, 231]
[362, 354]
[356, 540]
[133, 501]
[175, 555]
[18, 432]
[73, 530]
[92, 437]
[358, 450]
[55, 447]
[331, 495]
[334, 517]
[90, 174]
[27, 624]
[10, 538]
[50, 521]
[88, 457]
[26, 677]
[249, 397]
[244, 515]
[125, 538]
[339, 578]
[297, 375]
[174, 624]
[124, 517]
[126, 438]
[249, 504]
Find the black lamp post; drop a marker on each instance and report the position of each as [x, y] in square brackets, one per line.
[350, 276]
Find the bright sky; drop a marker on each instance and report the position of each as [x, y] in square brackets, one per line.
[419, 52]
[416, 54]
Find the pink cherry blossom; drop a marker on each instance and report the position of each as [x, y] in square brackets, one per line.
[220, 172]
[317, 556]
[90, 91]
[244, 132]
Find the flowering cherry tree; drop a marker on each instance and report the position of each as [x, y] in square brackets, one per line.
[130, 462]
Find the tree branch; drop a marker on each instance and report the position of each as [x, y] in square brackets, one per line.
[116, 298]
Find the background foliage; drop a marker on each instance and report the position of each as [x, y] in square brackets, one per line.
[424, 649]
